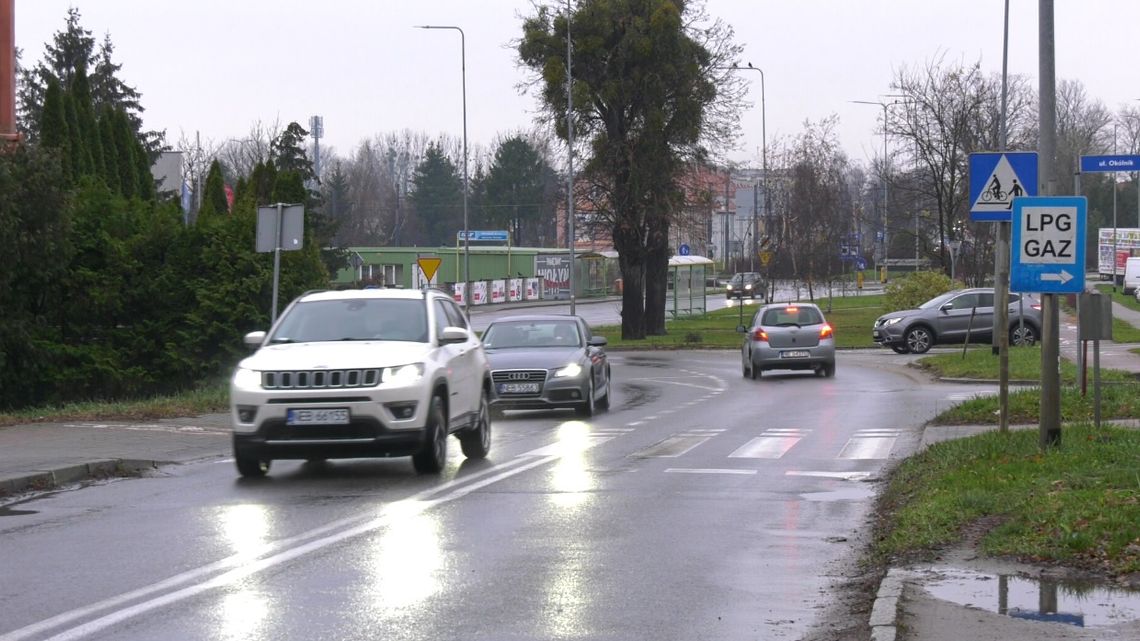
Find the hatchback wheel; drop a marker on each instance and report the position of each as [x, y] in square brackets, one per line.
[919, 339]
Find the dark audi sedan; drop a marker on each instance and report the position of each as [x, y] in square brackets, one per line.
[547, 361]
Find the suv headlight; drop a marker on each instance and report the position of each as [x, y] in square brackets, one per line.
[571, 370]
[247, 379]
[402, 374]
[892, 321]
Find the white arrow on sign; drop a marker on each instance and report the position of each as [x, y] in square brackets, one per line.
[1063, 277]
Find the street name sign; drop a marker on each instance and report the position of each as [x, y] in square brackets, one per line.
[996, 178]
[1048, 251]
[489, 236]
[1103, 164]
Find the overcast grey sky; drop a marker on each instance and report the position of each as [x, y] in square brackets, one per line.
[217, 67]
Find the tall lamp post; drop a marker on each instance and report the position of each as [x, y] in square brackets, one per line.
[883, 177]
[466, 231]
[763, 160]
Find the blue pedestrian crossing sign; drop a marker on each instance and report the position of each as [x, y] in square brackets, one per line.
[996, 178]
[1048, 251]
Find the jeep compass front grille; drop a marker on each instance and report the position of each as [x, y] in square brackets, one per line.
[321, 378]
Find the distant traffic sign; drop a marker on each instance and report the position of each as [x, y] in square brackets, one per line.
[765, 258]
[429, 266]
[1102, 164]
[996, 178]
[684, 250]
[1048, 251]
[489, 236]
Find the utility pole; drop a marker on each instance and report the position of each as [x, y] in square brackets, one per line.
[8, 134]
[570, 147]
[317, 131]
[1050, 427]
[1001, 257]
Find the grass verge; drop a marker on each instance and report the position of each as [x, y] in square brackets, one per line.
[1118, 399]
[204, 400]
[850, 316]
[1128, 301]
[1077, 505]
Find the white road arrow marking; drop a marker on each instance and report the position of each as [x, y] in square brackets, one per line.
[1063, 277]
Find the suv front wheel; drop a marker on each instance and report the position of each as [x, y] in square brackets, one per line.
[919, 339]
[476, 442]
[433, 455]
[249, 464]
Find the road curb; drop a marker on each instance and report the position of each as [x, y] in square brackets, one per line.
[885, 611]
[59, 476]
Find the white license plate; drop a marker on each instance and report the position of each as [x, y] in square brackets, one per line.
[795, 354]
[519, 388]
[337, 416]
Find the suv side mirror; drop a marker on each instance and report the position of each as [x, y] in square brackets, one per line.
[253, 340]
[453, 335]
[946, 307]
[741, 329]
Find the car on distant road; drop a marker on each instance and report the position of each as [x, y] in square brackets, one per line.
[545, 361]
[955, 317]
[365, 372]
[792, 336]
[745, 284]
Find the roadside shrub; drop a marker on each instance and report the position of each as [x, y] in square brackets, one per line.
[914, 289]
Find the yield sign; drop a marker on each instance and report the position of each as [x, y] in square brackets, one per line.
[996, 179]
[429, 266]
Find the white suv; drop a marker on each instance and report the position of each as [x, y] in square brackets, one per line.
[367, 372]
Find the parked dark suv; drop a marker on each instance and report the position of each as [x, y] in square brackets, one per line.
[745, 284]
[954, 317]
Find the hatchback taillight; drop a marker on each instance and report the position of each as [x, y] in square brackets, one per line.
[760, 335]
[826, 331]
[1036, 306]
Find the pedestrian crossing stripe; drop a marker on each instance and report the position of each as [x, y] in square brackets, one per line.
[996, 179]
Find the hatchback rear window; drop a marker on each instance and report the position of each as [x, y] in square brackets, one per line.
[786, 316]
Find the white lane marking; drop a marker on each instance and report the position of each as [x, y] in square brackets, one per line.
[714, 390]
[769, 447]
[874, 447]
[558, 449]
[969, 396]
[673, 447]
[237, 567]
[679, 470]
[845, 476]
[635, 423]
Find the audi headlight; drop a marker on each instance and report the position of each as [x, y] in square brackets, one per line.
[247, 379]
[892, 321]
[729, 287]
[748, 287]
[571, 370]
[402, 374]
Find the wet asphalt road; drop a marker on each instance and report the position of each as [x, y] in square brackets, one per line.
[703, 506]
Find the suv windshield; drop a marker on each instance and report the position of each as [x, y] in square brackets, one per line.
[359, 319]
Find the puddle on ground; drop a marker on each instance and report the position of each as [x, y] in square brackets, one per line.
[846, 494]
[1043, 600]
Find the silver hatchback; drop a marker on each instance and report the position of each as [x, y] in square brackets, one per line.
[792, 336]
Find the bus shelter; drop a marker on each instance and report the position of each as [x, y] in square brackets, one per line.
[688, 285]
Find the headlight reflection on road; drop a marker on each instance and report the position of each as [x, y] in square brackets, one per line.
[406, 558]
[246, 528]
[571, 481]
[242, 615]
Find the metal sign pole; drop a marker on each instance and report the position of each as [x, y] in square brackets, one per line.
[276, 263]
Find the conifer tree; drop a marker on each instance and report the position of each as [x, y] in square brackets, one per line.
[88, 127]
[110, 173]
[53, 126]
[125, 144]
[214, 195]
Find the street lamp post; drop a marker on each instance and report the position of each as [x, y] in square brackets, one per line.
[763, 162]
[466, 231]
[883, 177]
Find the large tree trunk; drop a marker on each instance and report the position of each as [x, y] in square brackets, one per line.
[657, 275]
[631, 260]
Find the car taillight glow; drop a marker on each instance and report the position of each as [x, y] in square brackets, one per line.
[826, 331]
[1036, 306]
[760, 335]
